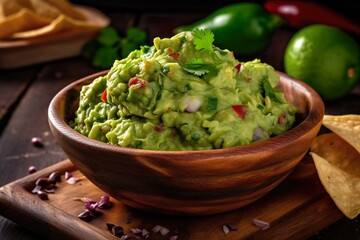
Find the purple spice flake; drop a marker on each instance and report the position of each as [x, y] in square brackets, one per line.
[36, 189]
[156, 229]
[85, 215]
[135, 230]
[42, 195]
[68, 175]
[49, 190]
[129, 237]
[261, 224]
[55, 177]
[232, 226]
[110, 226]
[104, 202]
[37, 142]
[91, 206]
[84, 199]
[117, 231]
[145, 233]
[72, 180]
[225, 229]
[42, 182]
[32, 169]
[164, 231]
[173, 237]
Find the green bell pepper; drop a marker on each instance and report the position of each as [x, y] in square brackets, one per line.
[245, 28]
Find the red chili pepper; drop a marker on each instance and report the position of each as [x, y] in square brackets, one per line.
[302, 13]
[240, 110]
[175, 55]
[238, 68]
[103, 96]
[135, 80]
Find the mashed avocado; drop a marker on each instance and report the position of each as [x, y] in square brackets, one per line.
[183, 93]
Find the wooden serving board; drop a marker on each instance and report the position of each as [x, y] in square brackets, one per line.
[296, 209]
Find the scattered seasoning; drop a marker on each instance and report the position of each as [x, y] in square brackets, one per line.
[55, 176]
[163, 230]
[42, 195]
[135, 230]
[37, 142]
[261, 224]
[67, 175]
[173, 237]
[104, 202]
[225, 229]
[72, 180]
[145, 233]
[36, 189]
[117, 231]
[86, 215]
[42, 182]
[229, 227]
[32, 169]
[91, 206]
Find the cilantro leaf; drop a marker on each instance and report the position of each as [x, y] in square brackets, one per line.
[271, 92]
[199, 68]
[203, 40]
[108, 46]
[136, 35]
[104, 57]
[108, 36]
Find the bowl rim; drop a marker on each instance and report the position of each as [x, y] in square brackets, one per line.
[314, 117]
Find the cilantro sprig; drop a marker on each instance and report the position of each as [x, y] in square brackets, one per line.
[109, 46]
[203, 40]
[199, 68]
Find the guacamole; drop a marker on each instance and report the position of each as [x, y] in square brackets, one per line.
[183, 93]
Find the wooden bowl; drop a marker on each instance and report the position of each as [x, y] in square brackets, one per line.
[189, 182]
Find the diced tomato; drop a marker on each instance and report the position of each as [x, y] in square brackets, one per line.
[174, 55]
[159, 128]
[240, 110]
[282, 118]
[103, 95]
[238, 68]
[135, 80]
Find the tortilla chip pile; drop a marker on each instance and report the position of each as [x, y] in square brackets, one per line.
[24, 19]
[337, 160]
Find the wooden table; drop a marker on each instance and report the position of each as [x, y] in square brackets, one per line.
[25, 94]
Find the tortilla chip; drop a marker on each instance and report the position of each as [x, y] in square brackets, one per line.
[21, 21]
[46, 8]
[338, 167]
[346, 126]
[61, 24]
[343, 188]
[337, 152]
[67, 9]
[32, 18]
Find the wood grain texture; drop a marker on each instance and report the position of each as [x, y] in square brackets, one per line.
[190, 182]
[291, 209]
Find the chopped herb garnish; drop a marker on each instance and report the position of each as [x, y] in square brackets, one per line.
[212, 104]
[109, 46]
[199, 68]
[203, 40]
[271, 92]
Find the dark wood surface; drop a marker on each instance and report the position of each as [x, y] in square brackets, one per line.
[25, 94]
